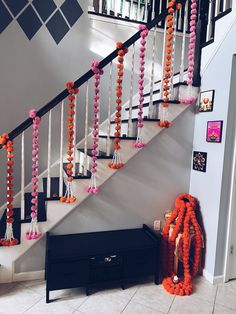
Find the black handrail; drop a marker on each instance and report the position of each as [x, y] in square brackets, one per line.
[84, 78]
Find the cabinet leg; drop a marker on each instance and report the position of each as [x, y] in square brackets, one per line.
[87, 291]
[157, 279]
[47, 296]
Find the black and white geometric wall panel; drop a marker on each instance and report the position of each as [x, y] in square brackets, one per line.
[34, 14]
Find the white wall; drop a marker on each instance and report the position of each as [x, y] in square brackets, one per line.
[207, 187]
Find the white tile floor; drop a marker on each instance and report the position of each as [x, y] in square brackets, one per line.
[146, 298]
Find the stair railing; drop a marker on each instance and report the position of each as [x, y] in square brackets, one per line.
[81, 161]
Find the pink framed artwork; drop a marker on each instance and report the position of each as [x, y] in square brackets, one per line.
[214, 131]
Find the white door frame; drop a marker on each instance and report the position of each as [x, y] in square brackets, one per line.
[232, 208]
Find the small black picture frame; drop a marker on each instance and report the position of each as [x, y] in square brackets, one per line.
[199, 161]
[206, 101]
[214, 131]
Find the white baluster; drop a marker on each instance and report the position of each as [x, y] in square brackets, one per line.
[108, 148]
[49, 154]
[132, 10]
[173, 56]
[131, 93]
[61, 152]
[139, 10]
[151, 107]
[217, 7]
[100, 6]
[209, 23]
[146, 11]
[163, 60]
[181, 76]
[23, 175]
[153, 9]
[123, 9]
[85, 163]
[117, 3]
[108, 7]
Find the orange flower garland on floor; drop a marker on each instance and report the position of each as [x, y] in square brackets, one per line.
[183, 216]
[9, 239]
[116, 161]
[69, 196]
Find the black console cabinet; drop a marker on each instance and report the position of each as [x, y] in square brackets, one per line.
[86, 259]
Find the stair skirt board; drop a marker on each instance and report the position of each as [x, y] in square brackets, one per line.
[16, 225]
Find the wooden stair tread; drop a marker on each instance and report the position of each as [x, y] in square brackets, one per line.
[101, 155]
[156, 91]
[136, 120]
[124, 137]
[156, 102]
[54, 195]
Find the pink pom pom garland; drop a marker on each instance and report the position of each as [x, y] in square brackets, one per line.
[34, 232]
[93, 189]
[193, 19]
[143, 34]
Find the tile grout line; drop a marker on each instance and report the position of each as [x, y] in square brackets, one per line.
[33, 305]
[171, 304]
[129, 301]
[215, 300]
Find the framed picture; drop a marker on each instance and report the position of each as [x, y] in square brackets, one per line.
[206, 101]
[214, 131]
[199, 161]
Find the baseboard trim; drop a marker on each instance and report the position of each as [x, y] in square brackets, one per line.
[33, 275]
[213, 279]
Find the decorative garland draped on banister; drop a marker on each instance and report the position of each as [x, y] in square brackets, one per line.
[33, 232]
[143, 34]
[95, 133]
[69, 195]
[9, 239]
[116, 162]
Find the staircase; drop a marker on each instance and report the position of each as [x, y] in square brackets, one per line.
[53, 181]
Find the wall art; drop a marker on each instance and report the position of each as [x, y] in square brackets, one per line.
[206, 101]
[214, 131]
[199, 161]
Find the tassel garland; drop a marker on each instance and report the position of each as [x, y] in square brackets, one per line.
[116, 162]
[9, 239]
[34, 232]
[96, 104]
[69, 196]
[143, 34]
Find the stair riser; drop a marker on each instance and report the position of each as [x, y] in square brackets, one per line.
[125, 114]
[184, 92]
[158, 95]
[124, 129]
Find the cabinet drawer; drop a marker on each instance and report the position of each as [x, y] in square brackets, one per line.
[139, 263]
[105, 261]
[68, 274]
[103, 274]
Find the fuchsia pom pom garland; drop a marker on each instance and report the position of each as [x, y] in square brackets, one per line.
[34, 232]
[143, 34]
[193, 18]
[96, 104]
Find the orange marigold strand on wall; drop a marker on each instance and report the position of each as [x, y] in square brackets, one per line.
[116, 162]
[9, 239]
[69, 196]
[183, 215]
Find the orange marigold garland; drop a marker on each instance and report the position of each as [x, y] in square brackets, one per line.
[9, 239]
[183, 216]
[116, 161]
[69, 196]
[164, 119]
